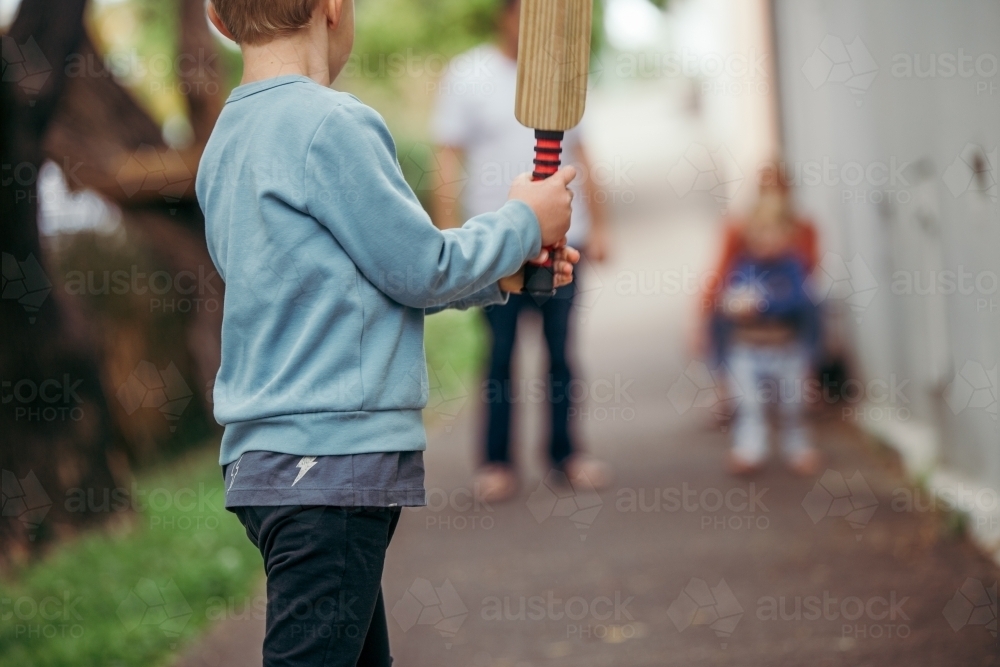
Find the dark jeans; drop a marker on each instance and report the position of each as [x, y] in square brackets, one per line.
[500, 392]
[324, 574]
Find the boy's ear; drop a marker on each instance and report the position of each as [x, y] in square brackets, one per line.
[213, 16]
[334, 12]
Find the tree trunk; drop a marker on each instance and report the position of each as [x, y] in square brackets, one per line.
[57, 430]
[63, 105]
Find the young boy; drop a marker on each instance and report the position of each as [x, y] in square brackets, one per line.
[765, 328]
[330, 265]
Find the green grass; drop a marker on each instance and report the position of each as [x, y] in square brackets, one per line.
[82, 604]
[455, 345]
[456, 338]
[149, 582]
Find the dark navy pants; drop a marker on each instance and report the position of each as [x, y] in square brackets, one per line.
[500, 392]
[324, 583]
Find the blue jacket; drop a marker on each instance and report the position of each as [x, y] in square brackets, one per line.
[781, 283]
[330, 264]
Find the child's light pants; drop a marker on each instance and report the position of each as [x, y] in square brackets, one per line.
[769, 375]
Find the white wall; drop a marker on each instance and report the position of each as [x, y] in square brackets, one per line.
[924, 221]
[730, 40]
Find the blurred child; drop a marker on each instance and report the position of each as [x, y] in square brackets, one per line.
[764, 328]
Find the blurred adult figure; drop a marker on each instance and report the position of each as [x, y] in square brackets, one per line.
[481, 149]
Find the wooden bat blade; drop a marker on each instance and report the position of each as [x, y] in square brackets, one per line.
[553, 56]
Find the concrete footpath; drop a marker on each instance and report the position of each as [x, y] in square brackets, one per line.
[676, 563]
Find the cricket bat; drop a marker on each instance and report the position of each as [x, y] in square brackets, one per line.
[553, 56]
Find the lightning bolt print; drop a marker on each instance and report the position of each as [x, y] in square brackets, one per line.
[304, 465]
[236, 471]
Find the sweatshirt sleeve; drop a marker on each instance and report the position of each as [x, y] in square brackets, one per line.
[490, 295]
[355, 188]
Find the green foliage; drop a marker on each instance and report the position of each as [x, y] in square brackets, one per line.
[445, 27]
[956, 524]
[455, 340]
[597, 30]
[401, 28]
[81, 605]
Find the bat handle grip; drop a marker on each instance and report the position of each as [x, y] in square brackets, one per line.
[548, 148]
[539, 279]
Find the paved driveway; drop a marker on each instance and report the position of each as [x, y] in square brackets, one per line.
[676, 563]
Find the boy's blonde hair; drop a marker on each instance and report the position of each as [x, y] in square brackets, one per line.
[258, 21]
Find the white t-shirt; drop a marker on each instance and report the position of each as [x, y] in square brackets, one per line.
[475, 112]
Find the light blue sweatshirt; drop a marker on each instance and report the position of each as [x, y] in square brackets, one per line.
[330, 264]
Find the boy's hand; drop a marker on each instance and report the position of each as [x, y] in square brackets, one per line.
[550, 199]
[563, 259]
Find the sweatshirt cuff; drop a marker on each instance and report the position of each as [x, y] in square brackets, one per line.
[525, 222]
[492, 295]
